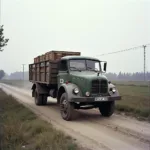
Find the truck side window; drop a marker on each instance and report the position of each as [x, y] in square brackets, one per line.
[63, 65]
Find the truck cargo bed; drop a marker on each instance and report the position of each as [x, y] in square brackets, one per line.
[44, 72]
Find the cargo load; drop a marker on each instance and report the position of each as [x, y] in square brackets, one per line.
[45, 67]
[54, 55]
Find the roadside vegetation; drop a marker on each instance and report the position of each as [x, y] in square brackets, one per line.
[135, 100]
[21, 129]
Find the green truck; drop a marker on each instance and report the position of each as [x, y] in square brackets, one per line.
[77, 82]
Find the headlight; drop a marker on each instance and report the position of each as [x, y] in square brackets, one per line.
[113, 90]
[76, 90]
[87, 93]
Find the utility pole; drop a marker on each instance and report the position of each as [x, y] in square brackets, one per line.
[144, 46]
[23, 71]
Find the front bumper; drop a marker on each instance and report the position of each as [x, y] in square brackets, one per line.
[95, 99]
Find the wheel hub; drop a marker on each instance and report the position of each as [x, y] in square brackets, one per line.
[64, 107]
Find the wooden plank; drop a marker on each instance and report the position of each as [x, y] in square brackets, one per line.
[44, 72]
[42, 69]
[42, 77]
[38, 76]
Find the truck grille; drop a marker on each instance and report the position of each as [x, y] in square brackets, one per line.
[99, 87]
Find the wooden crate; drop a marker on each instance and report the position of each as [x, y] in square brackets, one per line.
[56, 55]
[42, 58]
[34, 60]
[37, 59]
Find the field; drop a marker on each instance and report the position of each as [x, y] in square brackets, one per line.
[133, 83]
[135, 96]
[21, 129]
[135, 101]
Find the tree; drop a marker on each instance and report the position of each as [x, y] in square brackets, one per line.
[2, 74]
[3, 41]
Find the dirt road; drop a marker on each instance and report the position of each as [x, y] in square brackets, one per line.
[90, 129]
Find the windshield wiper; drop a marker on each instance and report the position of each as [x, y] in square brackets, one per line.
[75, 68]
[89, 68]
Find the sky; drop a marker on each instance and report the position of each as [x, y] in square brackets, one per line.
[92, 27]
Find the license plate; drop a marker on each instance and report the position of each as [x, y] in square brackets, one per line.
[101, 99]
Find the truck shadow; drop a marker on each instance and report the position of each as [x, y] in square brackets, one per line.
[84, 115]
[79, 115]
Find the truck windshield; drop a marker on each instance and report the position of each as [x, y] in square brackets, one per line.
[84, 64]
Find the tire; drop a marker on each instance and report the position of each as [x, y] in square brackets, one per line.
[66, 108]
[44, 99]
[107, 108]
[38, 98]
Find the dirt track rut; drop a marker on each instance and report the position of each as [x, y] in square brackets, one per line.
[90, 129]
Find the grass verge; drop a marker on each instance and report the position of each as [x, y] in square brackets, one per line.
[135, 101]
[22, 129]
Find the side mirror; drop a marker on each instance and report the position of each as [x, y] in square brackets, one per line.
[105, 66]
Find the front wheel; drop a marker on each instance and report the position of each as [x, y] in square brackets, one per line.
[107, 108]
[66, 108]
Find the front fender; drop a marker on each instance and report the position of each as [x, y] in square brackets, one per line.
[113, 86]
[69, 90]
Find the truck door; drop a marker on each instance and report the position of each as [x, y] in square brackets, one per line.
[62, 76]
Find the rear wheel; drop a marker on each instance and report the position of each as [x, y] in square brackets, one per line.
[38, 98]
[66, 108]
[44, 99]
[107, 108]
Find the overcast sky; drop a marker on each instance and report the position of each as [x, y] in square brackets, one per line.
[92, 27]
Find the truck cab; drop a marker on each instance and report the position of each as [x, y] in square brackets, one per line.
[83, 85]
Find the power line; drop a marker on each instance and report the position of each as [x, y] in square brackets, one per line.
[134, 48]
[129, 49]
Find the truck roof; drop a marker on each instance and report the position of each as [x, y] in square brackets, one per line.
[79, 57]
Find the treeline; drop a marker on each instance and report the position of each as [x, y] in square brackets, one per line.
[17, 76]
[138, 76]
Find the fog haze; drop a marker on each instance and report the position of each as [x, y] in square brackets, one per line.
[92, 27]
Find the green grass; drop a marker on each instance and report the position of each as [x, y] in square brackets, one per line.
[22, 128]
[132, 83]
[135, 101]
